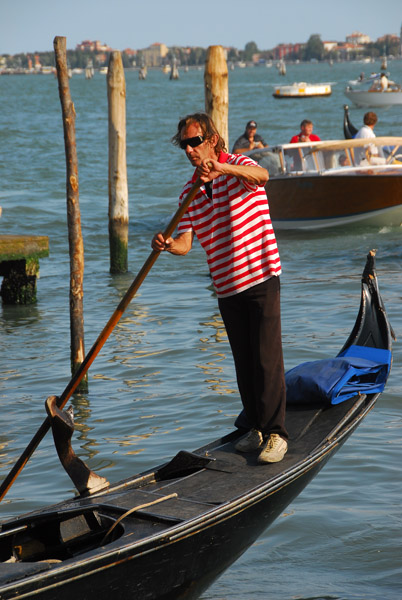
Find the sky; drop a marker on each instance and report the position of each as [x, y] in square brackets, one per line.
[31, 25]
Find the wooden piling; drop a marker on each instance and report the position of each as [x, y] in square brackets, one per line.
[118, 189]
[216, 90]
[76, 246]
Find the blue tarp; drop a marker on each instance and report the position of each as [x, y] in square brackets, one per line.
[359, 369]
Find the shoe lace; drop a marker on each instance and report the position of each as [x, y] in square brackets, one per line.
[274, 441]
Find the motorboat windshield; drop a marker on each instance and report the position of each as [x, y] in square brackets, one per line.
[321, 157]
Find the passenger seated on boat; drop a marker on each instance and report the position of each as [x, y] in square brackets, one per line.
[250, 140]
[369, 154]
[306, 133]
[344, 161]
[383, 82]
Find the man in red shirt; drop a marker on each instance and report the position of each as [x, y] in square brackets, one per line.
[230, 217]
[306, 133]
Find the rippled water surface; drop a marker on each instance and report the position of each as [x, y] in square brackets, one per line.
[165, 380]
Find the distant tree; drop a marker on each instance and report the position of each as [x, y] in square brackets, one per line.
[387, 46]
[267, 54]
[314, 48]
[233, 54]
[17, 61]
[249, 49]
[197, 56]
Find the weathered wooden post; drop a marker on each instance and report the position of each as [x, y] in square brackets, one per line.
[118, 190]
[216, 90]
[76, 246]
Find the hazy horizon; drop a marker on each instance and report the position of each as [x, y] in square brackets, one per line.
[27, 26]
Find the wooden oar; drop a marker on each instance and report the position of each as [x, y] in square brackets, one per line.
[90, 357]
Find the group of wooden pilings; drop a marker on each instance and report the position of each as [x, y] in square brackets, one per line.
[216, 105]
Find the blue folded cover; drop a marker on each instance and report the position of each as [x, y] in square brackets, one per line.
[359, 369]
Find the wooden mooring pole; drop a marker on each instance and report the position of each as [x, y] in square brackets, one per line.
[216, 90]
[76, 245]
[118, 189]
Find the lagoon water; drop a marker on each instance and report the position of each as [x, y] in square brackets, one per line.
[164, 380]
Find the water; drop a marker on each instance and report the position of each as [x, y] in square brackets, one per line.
[164, 380]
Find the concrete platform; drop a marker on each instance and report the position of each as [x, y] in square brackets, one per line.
[19, 266]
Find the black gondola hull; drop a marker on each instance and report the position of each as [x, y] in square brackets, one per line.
[181, 568]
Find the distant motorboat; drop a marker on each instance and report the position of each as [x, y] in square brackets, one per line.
[302, 90]
[370, 92]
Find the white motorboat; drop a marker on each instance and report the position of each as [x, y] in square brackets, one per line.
[369, 92]
[302, 90]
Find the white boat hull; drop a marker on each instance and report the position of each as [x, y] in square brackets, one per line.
[389, 217]
[375, 99]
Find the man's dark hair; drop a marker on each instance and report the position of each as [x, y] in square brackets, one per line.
[207, 126]
[370, 118]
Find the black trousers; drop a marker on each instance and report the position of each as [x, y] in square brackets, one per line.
[253, 324]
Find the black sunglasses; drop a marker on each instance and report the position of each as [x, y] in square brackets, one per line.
[193, 142]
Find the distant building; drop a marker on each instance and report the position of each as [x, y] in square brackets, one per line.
[286, 50]
[356, 38]
[38, 64]
[90, 46]
[130, 52]
[330, 46]
[153, 55]
[388, 38]
[346, 50]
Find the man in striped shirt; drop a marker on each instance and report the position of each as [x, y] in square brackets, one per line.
[230, 217]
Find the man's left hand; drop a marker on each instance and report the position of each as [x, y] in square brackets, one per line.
[209, 169]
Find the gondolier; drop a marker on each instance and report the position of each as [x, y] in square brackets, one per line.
[230, 217]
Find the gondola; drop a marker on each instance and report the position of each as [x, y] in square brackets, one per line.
[349, 130]
[169, 532]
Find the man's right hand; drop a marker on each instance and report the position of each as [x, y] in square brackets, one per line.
[159, 243]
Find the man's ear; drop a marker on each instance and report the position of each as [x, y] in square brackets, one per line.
[214, 140]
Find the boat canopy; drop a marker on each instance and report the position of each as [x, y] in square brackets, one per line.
[328, 156]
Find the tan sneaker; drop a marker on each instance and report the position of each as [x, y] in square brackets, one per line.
[250, 442]
[274, 449]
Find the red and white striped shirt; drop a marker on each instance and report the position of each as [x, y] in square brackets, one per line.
[235, 230]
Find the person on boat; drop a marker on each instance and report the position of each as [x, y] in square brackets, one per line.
[250, 140]
[230, 217]
[384, 82]
[306, 133]
[371, 153]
